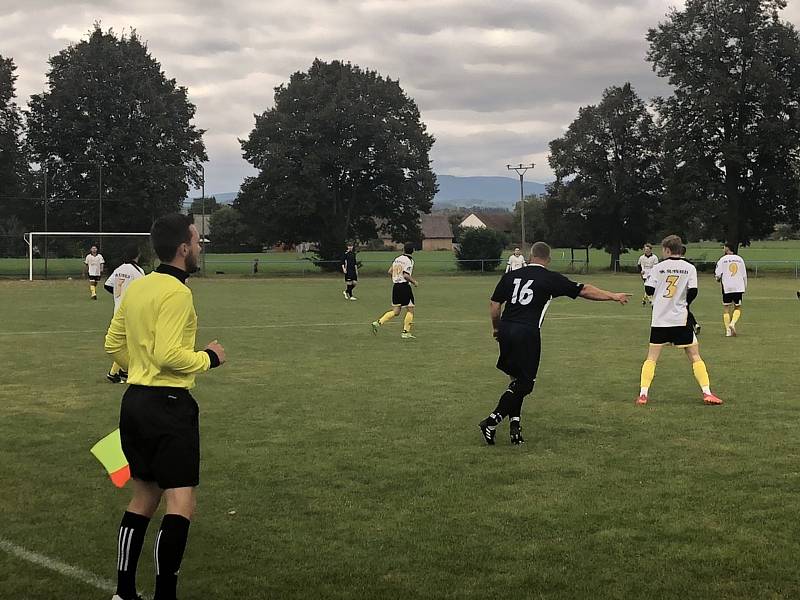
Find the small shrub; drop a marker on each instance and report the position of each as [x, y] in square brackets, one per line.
[480, 244]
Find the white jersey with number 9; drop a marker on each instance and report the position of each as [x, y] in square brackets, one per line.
[402, 264]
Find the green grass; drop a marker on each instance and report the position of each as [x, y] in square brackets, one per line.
[356, 469]
[772, 256]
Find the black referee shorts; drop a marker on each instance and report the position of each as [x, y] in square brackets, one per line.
[520, 350]
[351, 276]
[402, 294]
[160, 433]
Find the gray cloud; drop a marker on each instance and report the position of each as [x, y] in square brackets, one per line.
[494, 81]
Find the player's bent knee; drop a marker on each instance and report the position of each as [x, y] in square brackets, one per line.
[521, 387]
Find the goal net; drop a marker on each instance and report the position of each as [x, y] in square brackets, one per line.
[61, 254]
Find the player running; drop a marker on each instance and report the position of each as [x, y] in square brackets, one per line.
[515, 261]
[117, 284]
[647, 261]
[731, 272]
[526, 294]
[350, 270]
[402, 294]
[94, 262]
[673, 286]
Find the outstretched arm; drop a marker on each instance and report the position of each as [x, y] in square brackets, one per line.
[591, 292]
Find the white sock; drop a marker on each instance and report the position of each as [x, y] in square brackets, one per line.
[643, 391]
[706, 389]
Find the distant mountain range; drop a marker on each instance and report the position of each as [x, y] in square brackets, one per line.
[489, 192]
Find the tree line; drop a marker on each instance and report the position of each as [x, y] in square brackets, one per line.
[344, 154]
[717, 159]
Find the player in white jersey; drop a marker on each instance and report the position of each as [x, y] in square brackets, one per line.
[402, 294]
[94, 262]
[731, 272]
[647, 261]
[117, 285]
[515, 261]
[673, 286]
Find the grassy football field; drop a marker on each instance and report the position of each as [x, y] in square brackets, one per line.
[341, 465]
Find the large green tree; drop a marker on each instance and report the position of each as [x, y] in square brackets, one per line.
[14, 173]
[607, 167]
[112, 125]
[732, 125]
[228, 231]
[341, 154]
[535, 225]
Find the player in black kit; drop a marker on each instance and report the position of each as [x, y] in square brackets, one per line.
[350, 270]
[527, 293]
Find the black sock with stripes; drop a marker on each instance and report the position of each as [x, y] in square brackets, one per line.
[504, 407]
[132, 530]
[169, 548]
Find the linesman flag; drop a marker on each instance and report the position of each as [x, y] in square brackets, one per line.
[109, 452]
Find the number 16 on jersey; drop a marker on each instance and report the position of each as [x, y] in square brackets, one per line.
[522, 296]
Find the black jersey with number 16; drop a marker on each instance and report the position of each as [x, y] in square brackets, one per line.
[527, 293]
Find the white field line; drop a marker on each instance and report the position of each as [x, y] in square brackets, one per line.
[57, 566]
[313, 325]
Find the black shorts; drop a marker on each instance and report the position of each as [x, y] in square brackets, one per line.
[402, 294]
[351, 276]
[677, 336]
[160, 433]
[94, 278]
[520, 350]
[732, 298]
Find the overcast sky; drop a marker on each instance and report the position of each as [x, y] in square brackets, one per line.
[495, 81]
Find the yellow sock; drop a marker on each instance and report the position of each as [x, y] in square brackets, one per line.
[726, 318]
[737, 313]
[701, 375]
[648, 374]
[93, 289]
[408, 322]
[115, 368]
[386, 317]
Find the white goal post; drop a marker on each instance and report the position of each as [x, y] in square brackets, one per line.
[29, 237]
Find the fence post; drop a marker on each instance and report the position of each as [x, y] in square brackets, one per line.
[481, 265]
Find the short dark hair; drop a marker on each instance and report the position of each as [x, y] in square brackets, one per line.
[540, 250]
[169, 232]
[408, 248]
[130, 252]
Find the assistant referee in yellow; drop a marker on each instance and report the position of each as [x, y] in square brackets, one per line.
[152, 337]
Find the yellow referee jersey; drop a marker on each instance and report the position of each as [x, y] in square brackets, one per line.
[152, 334]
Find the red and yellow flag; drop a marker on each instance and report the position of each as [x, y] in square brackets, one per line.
[109, 452]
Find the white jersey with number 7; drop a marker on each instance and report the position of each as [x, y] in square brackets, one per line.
[118, 281]
[672, 278]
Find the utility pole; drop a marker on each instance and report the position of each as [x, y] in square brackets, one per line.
[521, 170]
[203, 209]
[44, 201]
[100, 197]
